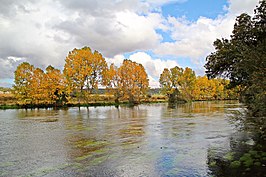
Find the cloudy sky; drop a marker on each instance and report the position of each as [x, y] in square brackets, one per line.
[156, 33]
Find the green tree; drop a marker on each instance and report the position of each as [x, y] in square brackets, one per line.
[165, 82]
[242, 59]
[170, 83]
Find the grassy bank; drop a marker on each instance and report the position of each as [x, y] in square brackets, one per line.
[8, 101]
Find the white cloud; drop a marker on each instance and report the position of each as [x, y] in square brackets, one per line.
[242, 6]
[117, 60]
[194, 40]
[29, 34]
[43, 32]
[8, 66]
[122, 31]
[154, 67]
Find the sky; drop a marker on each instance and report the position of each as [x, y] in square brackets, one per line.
[156, 33]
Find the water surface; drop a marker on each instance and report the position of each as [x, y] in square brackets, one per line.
[146, 140]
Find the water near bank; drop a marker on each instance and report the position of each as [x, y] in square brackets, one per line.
[146, 140]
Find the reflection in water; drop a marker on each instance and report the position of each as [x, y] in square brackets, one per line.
[147, 140]
[246, 155]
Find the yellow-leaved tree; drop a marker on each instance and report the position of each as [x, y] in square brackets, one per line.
[55, 86]
[23, 77]
[187, 82]
[37, 87]
[111, 81]
[205, 89]
[132, 80]
[84, 71]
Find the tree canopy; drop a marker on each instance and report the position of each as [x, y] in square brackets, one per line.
[242, 59]
[84, 71]
[133, 80]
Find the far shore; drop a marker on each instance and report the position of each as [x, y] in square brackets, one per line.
[8, 101]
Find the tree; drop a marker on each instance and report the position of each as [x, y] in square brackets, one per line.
[205, 89]
[132, 80]
[111, 81]
[165, 82]
[54, 85]
[170, 81]
[33, 85]
[23, 76]
[242, 59]
[37, 86]
[187, 83]
[84, 70]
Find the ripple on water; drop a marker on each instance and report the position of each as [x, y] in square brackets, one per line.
[147, 140]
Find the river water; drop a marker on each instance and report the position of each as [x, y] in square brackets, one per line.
[145, 140]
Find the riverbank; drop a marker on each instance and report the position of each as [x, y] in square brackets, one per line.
[8, 101]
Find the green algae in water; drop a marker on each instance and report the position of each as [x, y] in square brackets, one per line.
[77, 165]
[257, 164]
[235, 164]
[129, 142]
[83, 157]
[248, 162]
[245, 157]
[79, 128]
[3, 173]
[90, 155]
[229, 156]
[253, 153]
[263, 154]
[90, 143]
[133, 130]
[7, 164]
[49, 120]
[213, 164]
[98, 160]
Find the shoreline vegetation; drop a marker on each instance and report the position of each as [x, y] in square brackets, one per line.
[86, 70]
[8, 101]
[241, 59]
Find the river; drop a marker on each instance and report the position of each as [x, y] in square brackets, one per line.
[145, 140]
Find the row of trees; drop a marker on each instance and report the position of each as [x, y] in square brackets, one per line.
[85, 71]
[182, 84]
[33, 85]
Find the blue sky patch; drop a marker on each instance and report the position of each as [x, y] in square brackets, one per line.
[193, 9]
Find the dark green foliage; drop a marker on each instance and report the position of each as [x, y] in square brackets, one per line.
[242, 59]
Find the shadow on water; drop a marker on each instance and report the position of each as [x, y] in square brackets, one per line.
[247, 154]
